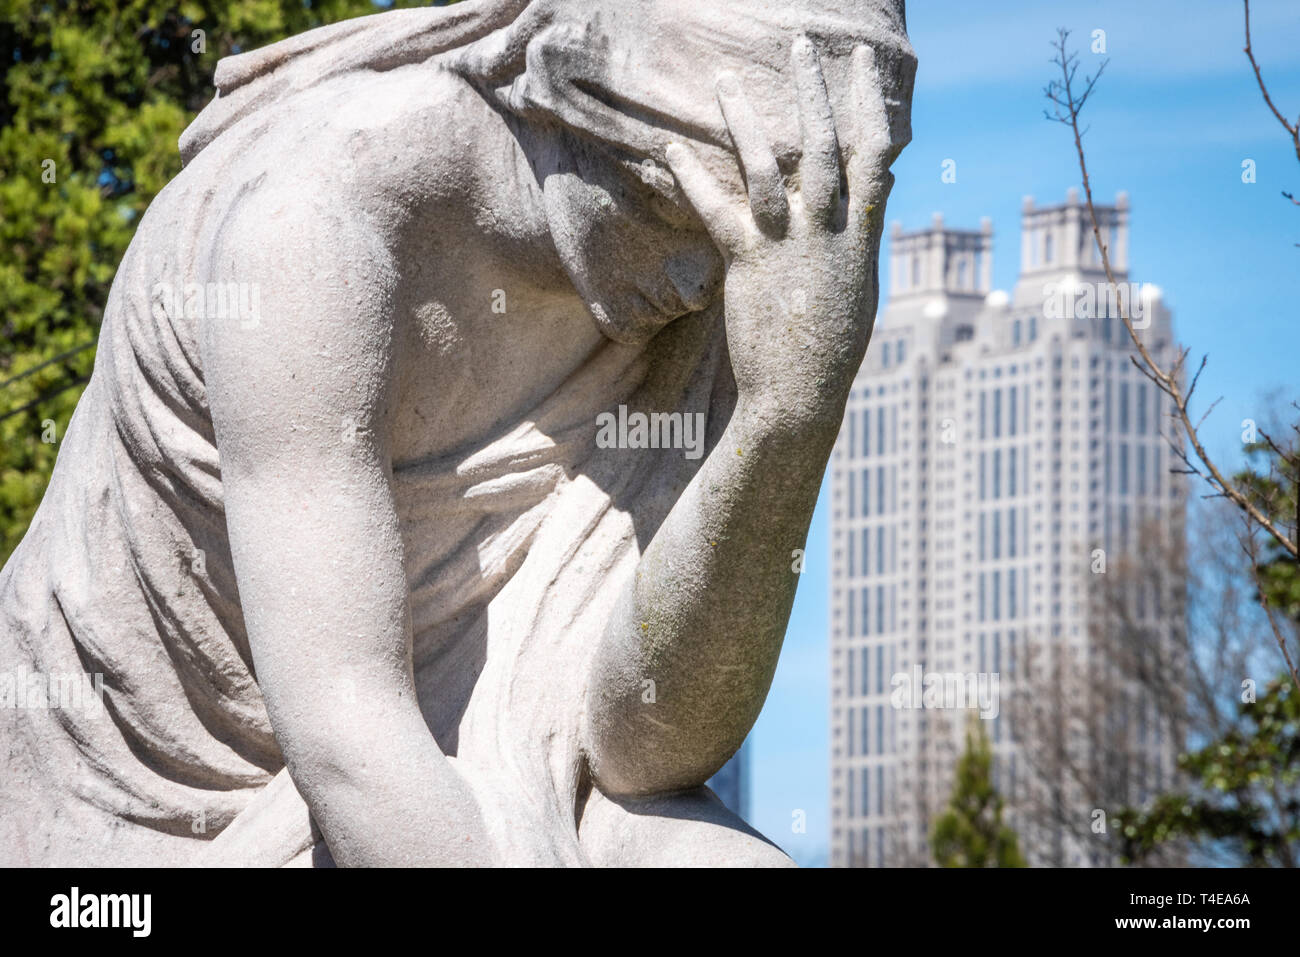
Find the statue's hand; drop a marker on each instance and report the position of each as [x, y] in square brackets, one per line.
[801, 283]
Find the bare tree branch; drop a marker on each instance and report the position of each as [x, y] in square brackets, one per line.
[1068, 105]
[1292, 128]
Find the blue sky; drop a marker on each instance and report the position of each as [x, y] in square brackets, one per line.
[1174, 116]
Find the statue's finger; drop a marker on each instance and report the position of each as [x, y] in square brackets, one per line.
[819, 170]
[868, 166]
[706, 195]
[767, 200]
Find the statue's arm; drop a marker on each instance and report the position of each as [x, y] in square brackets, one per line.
[705, 616]
[300, 406]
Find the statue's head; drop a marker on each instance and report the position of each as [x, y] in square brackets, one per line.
[621, 80]
[635, 251]
[611, 83]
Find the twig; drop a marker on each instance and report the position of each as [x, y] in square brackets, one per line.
[1292, 128]
[1067, 107]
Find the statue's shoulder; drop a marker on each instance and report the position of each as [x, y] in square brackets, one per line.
[317, 111]
[345, 143]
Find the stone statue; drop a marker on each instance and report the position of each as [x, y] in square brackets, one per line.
[332, 526]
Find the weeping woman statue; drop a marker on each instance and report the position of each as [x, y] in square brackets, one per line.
[332, 521]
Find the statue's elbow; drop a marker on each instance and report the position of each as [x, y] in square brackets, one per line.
[628, 759]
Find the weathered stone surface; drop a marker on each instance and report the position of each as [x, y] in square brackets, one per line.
[338, 519]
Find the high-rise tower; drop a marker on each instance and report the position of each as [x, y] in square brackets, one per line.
[992, 448]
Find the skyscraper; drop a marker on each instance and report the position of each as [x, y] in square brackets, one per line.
[996, 451]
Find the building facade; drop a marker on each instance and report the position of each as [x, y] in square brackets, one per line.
[999, 454]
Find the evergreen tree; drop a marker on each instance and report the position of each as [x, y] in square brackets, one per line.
[971, 833]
